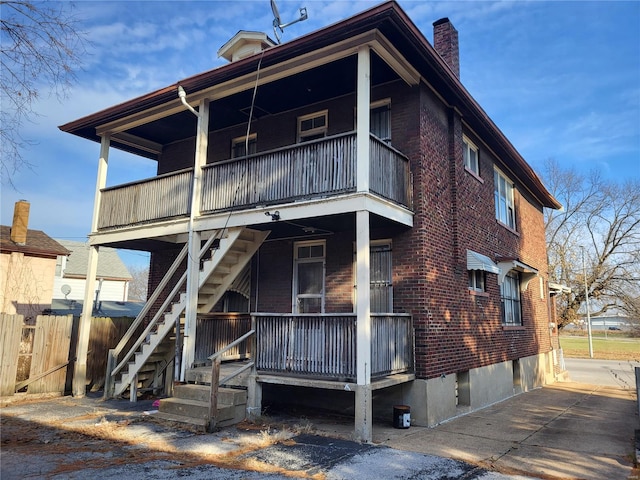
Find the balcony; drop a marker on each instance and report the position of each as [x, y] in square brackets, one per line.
[319, 169]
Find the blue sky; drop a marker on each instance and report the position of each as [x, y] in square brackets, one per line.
[560, 79]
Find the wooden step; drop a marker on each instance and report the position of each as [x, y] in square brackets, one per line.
[195, 413]
[185, 407]
[197, 424]
[202, 393]
[202, 374]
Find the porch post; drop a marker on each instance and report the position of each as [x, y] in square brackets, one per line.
[194, 239]
[84, 329]
[363, 406]
[363, 102]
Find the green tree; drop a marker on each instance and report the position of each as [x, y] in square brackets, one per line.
[41, 48]
[600, 220]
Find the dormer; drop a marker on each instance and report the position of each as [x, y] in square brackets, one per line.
[244, 44]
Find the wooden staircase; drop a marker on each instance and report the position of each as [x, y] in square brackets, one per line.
[191, 403]
[142, 368]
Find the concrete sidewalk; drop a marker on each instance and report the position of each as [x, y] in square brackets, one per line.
[568, 430]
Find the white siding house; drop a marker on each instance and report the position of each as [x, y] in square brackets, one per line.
[71, 274]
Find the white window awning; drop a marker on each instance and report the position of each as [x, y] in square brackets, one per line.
[526, 272]
[477, 261]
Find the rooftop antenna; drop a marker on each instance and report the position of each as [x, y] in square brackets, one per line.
[277, 22]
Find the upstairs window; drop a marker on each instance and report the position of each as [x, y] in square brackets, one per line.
[380, 120]
[313, 126]
[510, 298]
[470, 154]
[239, 146]
[503, 193]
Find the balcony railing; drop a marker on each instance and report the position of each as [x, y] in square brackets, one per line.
[324, 346]
[146, 201]
[322, 168]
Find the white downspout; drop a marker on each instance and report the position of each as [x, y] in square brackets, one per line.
[194, 238]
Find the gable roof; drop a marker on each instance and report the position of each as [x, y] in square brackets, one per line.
[110, 265]
[38, 244]
[394, 25]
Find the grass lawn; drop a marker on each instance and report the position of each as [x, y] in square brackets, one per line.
[611, 348]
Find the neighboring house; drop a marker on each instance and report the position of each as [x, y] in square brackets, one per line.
[27, 266]
[391, 236]
[71, 274]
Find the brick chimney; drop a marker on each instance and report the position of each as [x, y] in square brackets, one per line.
[445, 41]
[20, 222]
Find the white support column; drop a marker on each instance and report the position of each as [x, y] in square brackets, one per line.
[84, 329]
[363, 102]
[193, 258]
[363, 405]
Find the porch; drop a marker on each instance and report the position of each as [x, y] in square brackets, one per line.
[309, 351]
[293, 349]
[320, 169]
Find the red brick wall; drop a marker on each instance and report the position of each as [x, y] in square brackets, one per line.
[275, 275]
[454, 211]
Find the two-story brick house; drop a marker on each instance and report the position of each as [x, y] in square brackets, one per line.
[345, 190]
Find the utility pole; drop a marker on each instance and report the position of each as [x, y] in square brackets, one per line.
[586, 294]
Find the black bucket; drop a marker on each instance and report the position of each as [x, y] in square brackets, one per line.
[401, 416]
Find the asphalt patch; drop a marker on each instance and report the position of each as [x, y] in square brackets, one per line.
[310, 453]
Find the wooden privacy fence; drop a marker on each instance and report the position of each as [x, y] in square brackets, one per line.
[38, 356]
[34, 355]
[104, 335]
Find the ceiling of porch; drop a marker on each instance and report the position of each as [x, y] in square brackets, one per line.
[327, 81]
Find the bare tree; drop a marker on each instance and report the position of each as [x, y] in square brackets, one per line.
[139, 283]
[41, 49]
[600, 222]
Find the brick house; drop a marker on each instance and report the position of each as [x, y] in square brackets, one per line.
[347, 157]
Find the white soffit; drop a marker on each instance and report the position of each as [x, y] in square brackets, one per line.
[477, 261]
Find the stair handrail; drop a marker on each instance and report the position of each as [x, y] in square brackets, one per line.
[161, 311]
[215, 377]
[236, 342]
[151, 300]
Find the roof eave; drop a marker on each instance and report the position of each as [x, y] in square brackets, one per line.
[369, 19]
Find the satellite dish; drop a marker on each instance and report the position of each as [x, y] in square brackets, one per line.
[277, 22]
[66, 289]
[276, 15]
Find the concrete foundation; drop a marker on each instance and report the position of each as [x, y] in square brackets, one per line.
[435, 400]
[431, 401]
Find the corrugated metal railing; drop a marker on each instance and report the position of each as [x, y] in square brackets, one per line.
[325, 345]
[214, 331]
[322, 168]
[154, 199]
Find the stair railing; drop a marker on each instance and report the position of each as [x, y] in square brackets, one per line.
[112, 368]
[216, 360]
